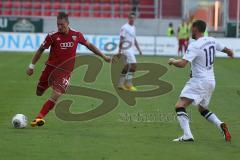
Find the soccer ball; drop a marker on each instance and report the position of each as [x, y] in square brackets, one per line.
[19, 121]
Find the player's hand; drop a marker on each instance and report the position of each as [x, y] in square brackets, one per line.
[116, 57]
[119, 55]
[140, 53]
[107, 58]
[29, 71]
[171, 60]
[230, 54]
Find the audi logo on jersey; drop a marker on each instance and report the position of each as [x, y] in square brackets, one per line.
[66, 45]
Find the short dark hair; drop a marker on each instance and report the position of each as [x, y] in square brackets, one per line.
[200, 25]
[132, 14]
[62, 15]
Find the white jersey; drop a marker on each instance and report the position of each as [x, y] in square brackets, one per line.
[200, 54]
[128, 33]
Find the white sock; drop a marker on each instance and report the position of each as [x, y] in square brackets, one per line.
[122, 80]
[129, 78]
[211, 117]
[184, 122]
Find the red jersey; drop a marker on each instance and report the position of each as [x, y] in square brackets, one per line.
[63, 48]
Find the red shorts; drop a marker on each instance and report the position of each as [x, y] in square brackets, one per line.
[183, 42]
[53, 77]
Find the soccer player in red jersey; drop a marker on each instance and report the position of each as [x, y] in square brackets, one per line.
[60, 63]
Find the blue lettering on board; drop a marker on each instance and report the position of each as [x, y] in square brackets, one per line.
[2, 41]
[102, 42]
[13, 41]
[28, 42]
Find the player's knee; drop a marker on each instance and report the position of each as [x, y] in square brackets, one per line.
[181, 104]
[56, 94]
[203, 111]
[39, 93]
[178, 105]
[133, 67]
[55, 99]
[124, 71]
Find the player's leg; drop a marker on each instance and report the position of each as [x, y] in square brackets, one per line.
[48, 105]
[43, 83]
[130, 75]
[179, 47]
[131, 60]
[42, 86]
[122, 78]
[59, 81]
[211, 117]
[183, 119]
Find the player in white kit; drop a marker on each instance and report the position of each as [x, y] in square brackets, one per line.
[127, 46]
[199, 88]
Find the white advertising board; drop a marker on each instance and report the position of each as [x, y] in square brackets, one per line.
[150, 45]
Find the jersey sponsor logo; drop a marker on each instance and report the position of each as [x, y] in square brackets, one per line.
[66, 45]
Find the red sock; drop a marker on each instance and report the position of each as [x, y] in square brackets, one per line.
[49, 104]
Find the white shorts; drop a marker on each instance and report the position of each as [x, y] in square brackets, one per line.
[129, 56]
[199, 90]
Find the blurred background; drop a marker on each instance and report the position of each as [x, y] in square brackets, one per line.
[105, 17]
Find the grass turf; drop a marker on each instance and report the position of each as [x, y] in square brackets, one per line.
[112, 136]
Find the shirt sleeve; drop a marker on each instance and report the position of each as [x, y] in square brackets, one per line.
[219, 46]
[47, 42]
[190, 54]
[81, 39]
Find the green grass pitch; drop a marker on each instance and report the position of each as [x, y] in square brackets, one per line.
[111, 137]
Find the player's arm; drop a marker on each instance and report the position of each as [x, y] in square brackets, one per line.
[222, 48]
[228, 51]
[180, 63]
[137, 46]
[189, 56]
[96, 51]
[35, 59]
[121, 44]
[116, 57]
